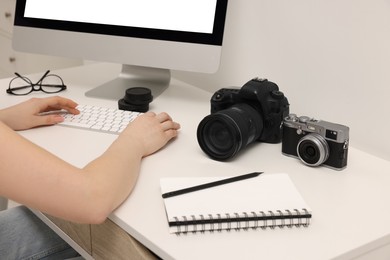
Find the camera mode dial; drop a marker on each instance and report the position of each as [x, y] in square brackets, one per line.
[291, 117]
[276, 94]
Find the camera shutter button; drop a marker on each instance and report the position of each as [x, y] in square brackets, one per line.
[304, 119]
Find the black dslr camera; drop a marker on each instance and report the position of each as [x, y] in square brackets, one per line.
[241, 116]
[315, 142]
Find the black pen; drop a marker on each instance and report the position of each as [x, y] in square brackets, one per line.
[210, 184]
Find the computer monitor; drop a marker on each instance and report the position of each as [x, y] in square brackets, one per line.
[148, 37]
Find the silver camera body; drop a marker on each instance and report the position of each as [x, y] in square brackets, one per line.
[315, 142]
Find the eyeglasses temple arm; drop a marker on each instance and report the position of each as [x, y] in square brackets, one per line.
[23, 78]
[44, 75]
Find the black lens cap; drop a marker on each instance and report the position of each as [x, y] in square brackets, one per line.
[136, 99]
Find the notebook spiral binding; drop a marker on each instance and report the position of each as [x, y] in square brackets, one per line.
[244, 221]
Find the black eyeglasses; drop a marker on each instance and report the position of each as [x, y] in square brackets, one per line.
[49, 83]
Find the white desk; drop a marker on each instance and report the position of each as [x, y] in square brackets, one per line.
[350, 209]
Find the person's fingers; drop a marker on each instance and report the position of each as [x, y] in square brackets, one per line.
[168, 125]
[58, 103]
[48, 120]
[162, 117]
[149, 113]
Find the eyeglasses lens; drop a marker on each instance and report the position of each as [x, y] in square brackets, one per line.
[52, 84]
[20, 86]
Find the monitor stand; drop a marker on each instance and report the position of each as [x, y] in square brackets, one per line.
[157, 80]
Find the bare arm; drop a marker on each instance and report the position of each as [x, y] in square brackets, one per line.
[45, 182]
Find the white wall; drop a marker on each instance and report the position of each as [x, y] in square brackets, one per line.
[331, 58]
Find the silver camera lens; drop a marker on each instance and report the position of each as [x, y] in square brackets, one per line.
[313, 150]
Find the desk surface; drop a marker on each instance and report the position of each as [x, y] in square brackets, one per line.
[350, 213]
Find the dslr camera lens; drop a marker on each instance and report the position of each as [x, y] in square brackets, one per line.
[222, 134]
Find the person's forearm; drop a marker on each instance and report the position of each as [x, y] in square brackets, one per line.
[49, 184]
[3, 116]
[113, 176]
[88, 195]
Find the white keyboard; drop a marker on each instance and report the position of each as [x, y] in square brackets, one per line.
[95, 118]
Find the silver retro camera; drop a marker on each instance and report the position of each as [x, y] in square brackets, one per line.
[315, 142]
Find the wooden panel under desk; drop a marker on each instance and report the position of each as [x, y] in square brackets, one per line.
[79, 233]
[109, 241]
[104, 241]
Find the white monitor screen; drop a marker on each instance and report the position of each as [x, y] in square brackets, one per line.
[176, 15]
[152, 35]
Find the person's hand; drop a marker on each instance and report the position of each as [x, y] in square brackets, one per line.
[28, 114]
[151, 132]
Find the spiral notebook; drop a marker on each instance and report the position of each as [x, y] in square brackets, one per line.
[267, 201]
